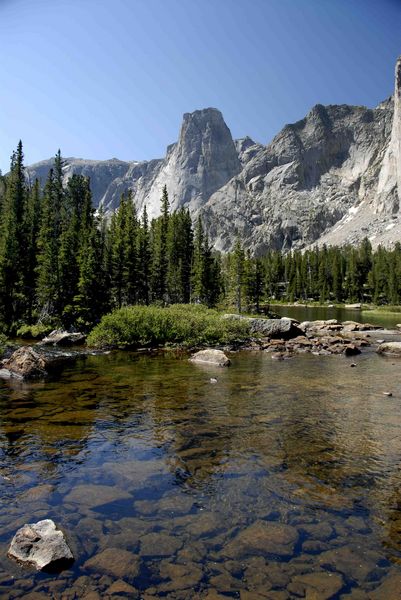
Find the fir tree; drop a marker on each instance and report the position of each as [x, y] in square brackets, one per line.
[13, 295]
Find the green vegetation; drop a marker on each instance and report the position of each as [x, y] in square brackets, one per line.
[63, 265]
[33, 332]
[3, 343]
[178, 324]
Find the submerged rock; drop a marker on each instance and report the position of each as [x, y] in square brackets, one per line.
[263, 537]
[390, 587]
[115, 562]
[95, 495]
[42, 545]
[316, 585]
[211, 357]
[58, 337]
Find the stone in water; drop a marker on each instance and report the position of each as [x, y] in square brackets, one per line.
[42, 545]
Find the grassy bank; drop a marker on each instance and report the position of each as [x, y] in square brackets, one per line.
[179, 325]
[382, 310]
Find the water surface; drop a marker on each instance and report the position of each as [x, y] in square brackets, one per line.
[282, 480]
[313, 313]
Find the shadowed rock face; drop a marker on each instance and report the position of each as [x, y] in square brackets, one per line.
[334, 177]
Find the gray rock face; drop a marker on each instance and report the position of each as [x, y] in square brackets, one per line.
[313, 174]
[276, 328]
[102, 174]
[334, 177]
[42, 545]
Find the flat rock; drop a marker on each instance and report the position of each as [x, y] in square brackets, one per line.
[42, 545]
[37, 493]
[159, 544]
[316, 586]
[354, 563]
[181, 577]
[122, 589]
[263, 537]
[114, 562]
[95, 495]
[212, 357]
[390, 587]
[393, 348]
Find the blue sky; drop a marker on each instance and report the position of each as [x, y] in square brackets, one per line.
[112, 78]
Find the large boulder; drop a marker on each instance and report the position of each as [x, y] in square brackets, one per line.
[58, 337]
[392, 348]
[211, 357]
[26, 363]
[283, 328]
[42, 545]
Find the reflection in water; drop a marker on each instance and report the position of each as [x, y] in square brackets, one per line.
[283, 479]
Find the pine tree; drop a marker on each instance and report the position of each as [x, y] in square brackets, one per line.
[13, 297]
[47, 287]
[144, 261]
[198, 291]
[159, 231]
[32, 219]
[131, 243]
[92, 298]
[238, 274]
[76, 227]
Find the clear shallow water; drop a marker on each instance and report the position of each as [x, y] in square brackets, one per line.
[282, 480]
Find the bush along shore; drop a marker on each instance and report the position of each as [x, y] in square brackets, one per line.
[192, 328]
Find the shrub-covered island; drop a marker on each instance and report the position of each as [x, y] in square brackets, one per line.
[179, 324]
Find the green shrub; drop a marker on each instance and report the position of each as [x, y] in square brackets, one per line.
[3, 343]
[34, 331]
[179, 324]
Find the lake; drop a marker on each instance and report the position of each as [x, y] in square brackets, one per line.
[314, 313]
[282, 480]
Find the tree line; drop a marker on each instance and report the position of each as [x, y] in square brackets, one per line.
[64, 264]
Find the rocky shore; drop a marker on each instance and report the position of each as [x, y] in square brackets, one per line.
[283, 338]
[286, 337]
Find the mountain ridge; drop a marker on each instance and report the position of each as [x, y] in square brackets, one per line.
[332, 177]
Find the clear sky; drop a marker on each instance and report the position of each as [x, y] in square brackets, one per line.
[112, 78]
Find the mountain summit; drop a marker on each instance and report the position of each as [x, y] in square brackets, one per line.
[334, 177]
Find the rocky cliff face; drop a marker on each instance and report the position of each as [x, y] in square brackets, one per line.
[333, 177]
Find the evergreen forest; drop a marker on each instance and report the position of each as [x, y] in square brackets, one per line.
[64, 264]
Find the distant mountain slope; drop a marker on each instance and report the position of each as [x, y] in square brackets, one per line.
[333, 177]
